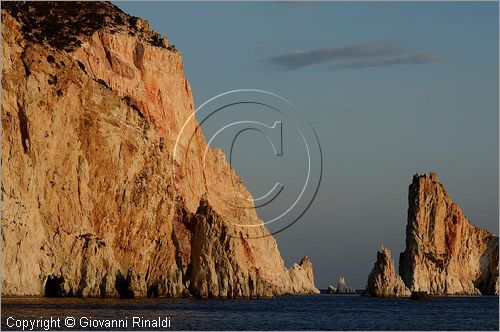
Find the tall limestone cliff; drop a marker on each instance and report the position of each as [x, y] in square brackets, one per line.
[445, 254]
[94, 200]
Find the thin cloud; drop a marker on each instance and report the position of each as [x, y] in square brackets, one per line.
[354, 56]
[415, 59]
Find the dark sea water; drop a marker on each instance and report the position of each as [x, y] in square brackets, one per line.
[312, 312]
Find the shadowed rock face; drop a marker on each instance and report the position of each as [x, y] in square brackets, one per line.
[445, 253]
[95, 203]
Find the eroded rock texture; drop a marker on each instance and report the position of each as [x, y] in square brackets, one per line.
[383, 280]
[94, 200]
[445, 253]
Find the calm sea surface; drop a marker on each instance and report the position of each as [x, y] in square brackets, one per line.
[314, 312]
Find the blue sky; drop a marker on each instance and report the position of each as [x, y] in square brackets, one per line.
[390, 88]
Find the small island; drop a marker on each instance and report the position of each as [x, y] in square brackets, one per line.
[341, 288]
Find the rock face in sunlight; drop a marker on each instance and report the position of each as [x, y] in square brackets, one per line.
[302, 275]
[95, 202]
[445, 253]
[383, 280]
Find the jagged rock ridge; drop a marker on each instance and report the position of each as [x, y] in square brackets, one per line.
[92, 107]
[445, 254]
[383, 280]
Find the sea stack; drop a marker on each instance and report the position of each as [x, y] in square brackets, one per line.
[342, 287]
[445, 254]
[95, 203]
[383, 280]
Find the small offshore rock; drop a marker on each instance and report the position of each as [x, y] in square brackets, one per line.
[342, 287]
[383, 280]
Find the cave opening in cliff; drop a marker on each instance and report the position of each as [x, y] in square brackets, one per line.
[122, 286]
[153, 291]
[54, 286]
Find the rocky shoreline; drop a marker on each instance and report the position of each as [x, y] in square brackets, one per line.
[95, 201]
